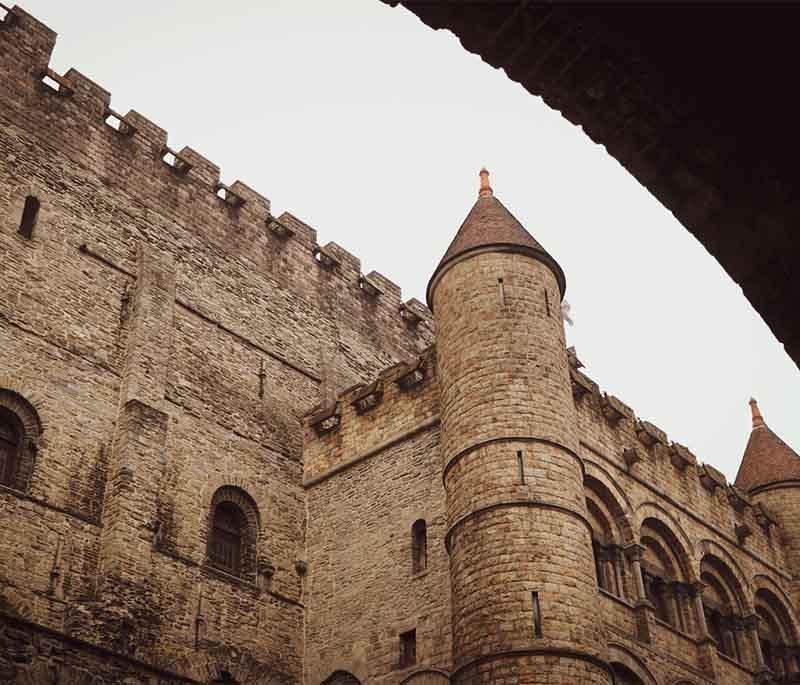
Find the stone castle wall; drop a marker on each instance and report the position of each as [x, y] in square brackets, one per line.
[382, 463]
[166, 337]
[169, 333]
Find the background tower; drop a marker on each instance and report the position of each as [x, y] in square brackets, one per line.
[524, 593]
[770, 474]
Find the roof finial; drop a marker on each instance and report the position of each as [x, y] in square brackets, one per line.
[486, 189]
[758, 420]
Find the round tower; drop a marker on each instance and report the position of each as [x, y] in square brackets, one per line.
[770, 474]
[524, 594]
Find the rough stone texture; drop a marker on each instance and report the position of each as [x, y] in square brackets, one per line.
[163, 342]
[168, 343]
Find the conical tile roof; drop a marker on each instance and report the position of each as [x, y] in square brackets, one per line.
[767, 459]
[489, 224]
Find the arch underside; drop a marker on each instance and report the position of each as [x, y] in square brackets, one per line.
[673, 118]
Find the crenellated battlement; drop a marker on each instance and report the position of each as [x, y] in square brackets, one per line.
[135, 156]
[361, 418]
[646, 452]
[367, 417]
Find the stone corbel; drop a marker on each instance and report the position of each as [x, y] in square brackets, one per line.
[229, 197]
[613, 409]
[368, 396]
[325, 259]
[681, 457]
[710, 478]
[175, 161]
[63, 89]
[411, 375]
[743, 531]
[572, 356]
[279, 228]
[368, 287]
[410, 313]
[327, 418]
[632, 456]
[581, 385]
[738, 499]
[764, 517]
[650, 435]
[124, 128]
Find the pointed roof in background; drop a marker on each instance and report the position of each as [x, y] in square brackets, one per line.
[490, 225]
[767, 459]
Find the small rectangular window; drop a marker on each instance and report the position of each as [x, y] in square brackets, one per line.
[419, 546]
[521, 465]
[30, 213]
[408, 648]
[537, 615]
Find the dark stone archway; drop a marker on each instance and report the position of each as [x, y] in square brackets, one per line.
[696, 101]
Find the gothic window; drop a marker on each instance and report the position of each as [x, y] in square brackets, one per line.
[419, 546]
[10, 439]
[408, 648]
[233, 533]
[30, 213]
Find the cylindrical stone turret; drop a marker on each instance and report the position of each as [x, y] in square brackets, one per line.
[524, 593]
[770, 474]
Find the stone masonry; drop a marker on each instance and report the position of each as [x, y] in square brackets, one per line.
[228, 456]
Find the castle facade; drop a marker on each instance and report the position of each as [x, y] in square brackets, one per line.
[227, 456]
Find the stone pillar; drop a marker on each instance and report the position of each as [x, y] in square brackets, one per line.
[706, 647]
[617, 563]
[673, 605]
[696, 593]
[681, 591]
[642, 606]
[750, 628]
[524, 592]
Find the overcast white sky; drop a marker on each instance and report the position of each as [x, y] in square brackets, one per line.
[371, 127]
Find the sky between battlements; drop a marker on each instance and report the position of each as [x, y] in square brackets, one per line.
[371, 127]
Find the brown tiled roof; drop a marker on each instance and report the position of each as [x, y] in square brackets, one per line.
[490, 224]
[767, 459]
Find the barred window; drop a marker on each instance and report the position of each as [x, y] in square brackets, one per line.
[226, 538]
[233, 530]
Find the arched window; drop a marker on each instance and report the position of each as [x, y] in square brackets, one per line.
[227, 534]
[776, 633]
[30, 213]
[605, 515]
[419, 546]
[20, 429]
[233, 532]
[664, 572]
[10, 442]
[722, 605]
[625, 676]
